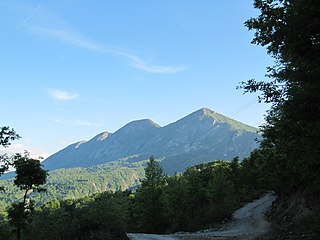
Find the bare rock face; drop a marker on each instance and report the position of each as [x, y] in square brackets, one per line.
[201, 136]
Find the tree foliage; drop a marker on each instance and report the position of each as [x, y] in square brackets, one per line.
[29, 176]
[76, 183]
[289, 153]
[7, 135]
[100, 216]
[29, 173]
[19, 216]
[200, 197]
[150, 198]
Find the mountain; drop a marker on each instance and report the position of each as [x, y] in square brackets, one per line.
[201, 136]
[112, 161]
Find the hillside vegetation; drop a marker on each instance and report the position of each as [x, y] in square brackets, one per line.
[288, 158]
[202, 196]
[75, 183]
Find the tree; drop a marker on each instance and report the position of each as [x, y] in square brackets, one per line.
[6, 136]
[29, 176]
[19, 216]
[290, 30]
[221, 195]
[197, 182]
[177, 202]
[150, 197]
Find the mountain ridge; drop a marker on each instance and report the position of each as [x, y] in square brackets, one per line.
[203, 134]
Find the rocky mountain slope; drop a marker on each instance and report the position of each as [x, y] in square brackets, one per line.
[201, 136]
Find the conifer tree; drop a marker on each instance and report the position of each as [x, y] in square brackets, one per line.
[150, 197]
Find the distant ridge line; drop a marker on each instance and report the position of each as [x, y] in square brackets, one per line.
[199, 136]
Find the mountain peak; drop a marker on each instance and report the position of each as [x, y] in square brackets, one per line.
[142, 123]
[204, 133]
[208, 114]
[204, 112]
[207, 111]
[103, 136]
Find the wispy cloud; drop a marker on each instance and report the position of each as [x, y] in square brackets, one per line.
[56, 120]
[80, 41]
[39, 21]
[76, 39]
[138, 63]
[65, 33]
[63, 95]
[32, 13]
[69, 37]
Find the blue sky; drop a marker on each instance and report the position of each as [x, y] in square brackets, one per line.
[72, 69]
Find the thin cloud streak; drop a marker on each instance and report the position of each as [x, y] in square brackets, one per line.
[68, 37]
[78, 40]
[56, 120]
[33, 12]
[63, 95]
[139, 64]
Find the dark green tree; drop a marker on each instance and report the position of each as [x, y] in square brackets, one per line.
[100, 216]
[51, 221]
[176, 196]
[197, 181]
[19, 216]
[150, 198]
[6, 136]
[29, 177]
[221, 195]
[29, 174]
[290, 30]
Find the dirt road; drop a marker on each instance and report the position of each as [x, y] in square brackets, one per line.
[248, 222]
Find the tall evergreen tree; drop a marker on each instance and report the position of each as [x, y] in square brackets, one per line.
[150, 198]
[176, 193]
[221, 196]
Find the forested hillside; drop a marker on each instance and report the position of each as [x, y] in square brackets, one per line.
[201, 197]
[75, 183]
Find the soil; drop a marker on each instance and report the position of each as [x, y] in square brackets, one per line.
[248, 222]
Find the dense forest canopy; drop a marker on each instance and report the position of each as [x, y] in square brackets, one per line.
[202, 196]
